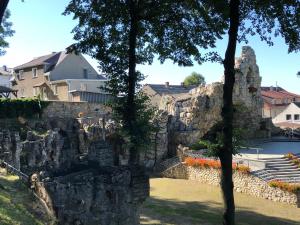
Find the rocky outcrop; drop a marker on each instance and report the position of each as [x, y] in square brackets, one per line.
[72, 169]
[101, 195]
[194, 114]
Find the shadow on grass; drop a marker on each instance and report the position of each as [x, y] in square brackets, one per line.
[16, 203]
[205, 213]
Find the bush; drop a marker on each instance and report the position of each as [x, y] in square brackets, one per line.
[293, 188]
[26, 107]
[214, 164]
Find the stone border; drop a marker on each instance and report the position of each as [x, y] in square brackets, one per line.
[243, 183]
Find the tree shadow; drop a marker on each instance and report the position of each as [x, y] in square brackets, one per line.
[169, 211]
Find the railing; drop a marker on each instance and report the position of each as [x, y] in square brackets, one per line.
[17, 172]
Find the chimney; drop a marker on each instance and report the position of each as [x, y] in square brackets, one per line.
[167, 85]
[271, 88]
[4, 67]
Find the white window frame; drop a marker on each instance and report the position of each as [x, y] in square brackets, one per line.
[34, 73]
[34, 91]
[22, 92]
[297, 116]
[21, 74]
[54, 89]
[83, 87]
[286, 117]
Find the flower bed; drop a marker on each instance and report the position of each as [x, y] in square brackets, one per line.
[293, 188]
[294, 159]
[215, 164]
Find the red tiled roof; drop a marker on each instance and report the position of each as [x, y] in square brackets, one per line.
[279, 94]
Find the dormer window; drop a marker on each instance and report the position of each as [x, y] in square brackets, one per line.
[85, 73]
[34, 73]
[21, 75]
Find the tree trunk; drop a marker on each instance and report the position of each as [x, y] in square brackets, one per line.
[225, 154]
[130, 114]
[3, 5]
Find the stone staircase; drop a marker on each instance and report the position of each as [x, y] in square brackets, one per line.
[279, 169]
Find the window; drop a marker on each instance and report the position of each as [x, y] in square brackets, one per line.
[21, 75]
[34, 72]
[296, 117]
[288, 116]
[54, 89]
[83, 87]
[85, 73]
[34, 91]
[22, 93]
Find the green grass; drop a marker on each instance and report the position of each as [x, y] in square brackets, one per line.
[184, 202]
[17, 205]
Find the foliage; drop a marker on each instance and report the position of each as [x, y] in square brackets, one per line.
[24, 107]
[294, 188]
[5, 31]
[214, 164]
[194, 79]
[122, 34]
[294, 159]
[213, 141]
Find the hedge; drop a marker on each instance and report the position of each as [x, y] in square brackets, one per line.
[25, 107]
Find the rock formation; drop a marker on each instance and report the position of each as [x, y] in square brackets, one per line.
[193, 114]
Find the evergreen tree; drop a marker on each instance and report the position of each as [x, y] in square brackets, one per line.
[5, 31]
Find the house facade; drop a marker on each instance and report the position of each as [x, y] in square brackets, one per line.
[54, 76]
[276, 100]
[289, 117]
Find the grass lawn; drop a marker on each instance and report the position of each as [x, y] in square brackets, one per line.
[17, 205]
[185, 202]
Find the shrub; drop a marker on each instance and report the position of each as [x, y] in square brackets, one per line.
[214, 164]
[289, 155]
[293, 188]
[25, 107]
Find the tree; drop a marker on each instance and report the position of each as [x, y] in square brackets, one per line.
[3, 5]
[194, 79]
[264, 18]
[5, 31]
[121, 34]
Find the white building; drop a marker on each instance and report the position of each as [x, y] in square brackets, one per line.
[5, 76]
[289, 117]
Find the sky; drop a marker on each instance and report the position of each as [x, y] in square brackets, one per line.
[42, 29]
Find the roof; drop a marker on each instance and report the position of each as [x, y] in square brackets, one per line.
[170, 89]
[51, 60]
[269, 93]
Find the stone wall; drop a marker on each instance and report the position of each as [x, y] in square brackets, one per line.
[243, 183]
[61, 109]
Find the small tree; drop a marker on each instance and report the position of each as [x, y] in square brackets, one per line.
[5, 31]
[194, 79]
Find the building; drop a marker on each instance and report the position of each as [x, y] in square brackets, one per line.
[5, 76]
[56, 76]
[289, 117]
[276, 100]
[156, 91]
